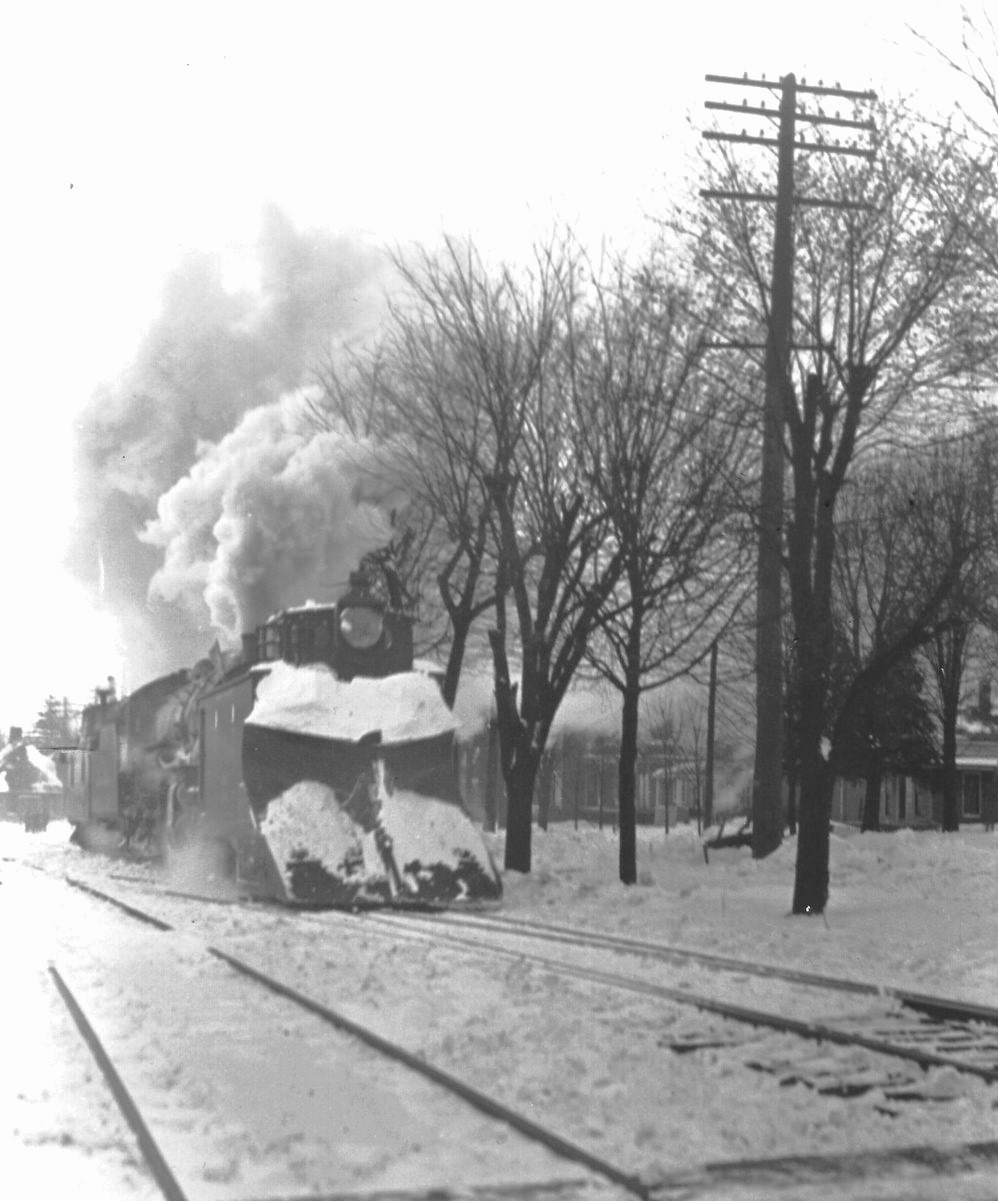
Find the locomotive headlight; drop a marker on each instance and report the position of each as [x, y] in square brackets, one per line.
[361, 627]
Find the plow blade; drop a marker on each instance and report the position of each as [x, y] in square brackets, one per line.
[373, 818]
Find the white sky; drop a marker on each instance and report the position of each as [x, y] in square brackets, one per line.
[135, 132]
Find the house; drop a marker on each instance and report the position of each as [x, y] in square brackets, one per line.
[918, 802]
[977, 772]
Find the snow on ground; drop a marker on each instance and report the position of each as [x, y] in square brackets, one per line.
[906, 909]
[915, 910]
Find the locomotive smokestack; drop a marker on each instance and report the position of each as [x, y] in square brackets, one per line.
[250, 648]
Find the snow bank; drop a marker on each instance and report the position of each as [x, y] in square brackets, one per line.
[916, 910]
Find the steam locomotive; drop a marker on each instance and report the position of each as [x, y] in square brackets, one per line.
[316, 766]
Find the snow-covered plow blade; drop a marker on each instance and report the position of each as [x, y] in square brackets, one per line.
[353, 791]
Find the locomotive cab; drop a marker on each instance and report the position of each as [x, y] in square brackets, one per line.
[360, 635]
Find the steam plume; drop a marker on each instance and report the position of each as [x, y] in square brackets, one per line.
[212, 355]
[269, 517]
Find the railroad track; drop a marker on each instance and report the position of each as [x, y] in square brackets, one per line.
[925, 1030]
[918, 1028]
[940, 1007]
[711, 1180]
[542, 1136]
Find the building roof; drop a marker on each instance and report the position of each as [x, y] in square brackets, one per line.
[977, 752]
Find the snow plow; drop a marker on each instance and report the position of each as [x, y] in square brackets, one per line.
[352, 788]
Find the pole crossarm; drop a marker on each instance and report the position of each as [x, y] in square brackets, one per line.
[753, 110]
[808, 89]
[714, 135]
[738, 344]
[770, 198]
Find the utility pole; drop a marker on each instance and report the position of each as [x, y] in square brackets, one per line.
[767, 782]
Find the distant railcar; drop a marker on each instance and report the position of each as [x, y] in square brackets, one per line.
[30, 790]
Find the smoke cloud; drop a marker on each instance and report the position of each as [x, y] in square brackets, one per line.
[270, 516]
[213, 355]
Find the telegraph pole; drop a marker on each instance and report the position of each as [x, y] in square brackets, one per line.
[767, 782]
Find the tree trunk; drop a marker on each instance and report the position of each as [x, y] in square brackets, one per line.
[950, 652]
[871, 800]
[626, 786]
[455, 661]
[814, 809]
[520, 780]
[708, 798]
[767, 825]
[951, 780]
[520, 757]
[811, 881]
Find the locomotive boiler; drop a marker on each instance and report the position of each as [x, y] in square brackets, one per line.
[314, 767]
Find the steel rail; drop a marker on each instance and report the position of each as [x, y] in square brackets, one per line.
[161, 1170]
[701, 1182]
[814, 1031]
[942, 1007]
[481, 1101]
[796, 1175]
[529, 1190]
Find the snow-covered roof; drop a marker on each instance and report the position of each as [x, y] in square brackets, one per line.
[974, 752]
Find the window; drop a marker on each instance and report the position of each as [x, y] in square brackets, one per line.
[971, 794]
[271, 642]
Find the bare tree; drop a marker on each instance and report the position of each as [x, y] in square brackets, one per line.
[665, 444]
[965, 471]
[473, 391]
[976, 61]
[878, 604]
[884, 301]
[555, 570]
[456, 337]
[916, 542]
